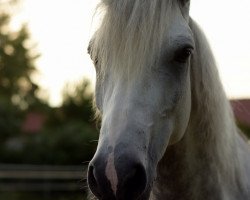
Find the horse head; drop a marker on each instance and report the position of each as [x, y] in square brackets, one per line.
[142, 54]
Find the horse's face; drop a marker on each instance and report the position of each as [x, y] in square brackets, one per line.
[141, 116]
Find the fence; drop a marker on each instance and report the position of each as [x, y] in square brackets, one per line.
[42, 178]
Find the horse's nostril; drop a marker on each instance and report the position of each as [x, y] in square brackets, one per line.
[98, 183]
[133, 184]
[92, 182]
[132, 180]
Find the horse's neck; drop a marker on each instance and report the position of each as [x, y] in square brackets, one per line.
[192, 170]
[210, 162]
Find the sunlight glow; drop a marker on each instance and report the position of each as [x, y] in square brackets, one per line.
[62, 29]
[226, 24]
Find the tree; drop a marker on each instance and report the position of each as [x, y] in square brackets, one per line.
[17, 90]
[16, 64]
[77, 102]
[67, 136]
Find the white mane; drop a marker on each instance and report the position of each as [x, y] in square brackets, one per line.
[212, 119]
[131, 34]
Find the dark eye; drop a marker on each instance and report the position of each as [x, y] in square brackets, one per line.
[95, 60]
[184, 2]
[183, 54]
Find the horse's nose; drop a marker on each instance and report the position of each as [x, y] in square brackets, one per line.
[99, 184]
[131, 183]
[132, 180]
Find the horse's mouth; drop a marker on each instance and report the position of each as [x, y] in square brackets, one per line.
[144, 196]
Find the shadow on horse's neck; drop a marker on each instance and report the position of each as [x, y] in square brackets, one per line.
[204, 164]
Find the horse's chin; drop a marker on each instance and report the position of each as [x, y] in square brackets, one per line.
[146, 194]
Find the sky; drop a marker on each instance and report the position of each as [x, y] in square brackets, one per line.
[62, 29]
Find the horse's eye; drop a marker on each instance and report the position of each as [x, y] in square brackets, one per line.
[184, 2]
[95, 61]
[183, 54]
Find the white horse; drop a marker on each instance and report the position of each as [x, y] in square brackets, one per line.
[168, 131]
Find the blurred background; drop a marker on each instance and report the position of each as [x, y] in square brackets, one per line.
[47, 128]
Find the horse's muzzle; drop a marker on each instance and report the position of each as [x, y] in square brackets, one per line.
[131, 178]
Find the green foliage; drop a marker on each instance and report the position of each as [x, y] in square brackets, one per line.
[68, 134]
[78, 103]
[72, 143]
[69, 144]
[10, 122]
[245, 129]
[16, 66]
[17, 91]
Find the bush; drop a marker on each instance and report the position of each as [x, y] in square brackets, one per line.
[70, 144]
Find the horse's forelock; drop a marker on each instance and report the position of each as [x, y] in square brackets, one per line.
[131, 34]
